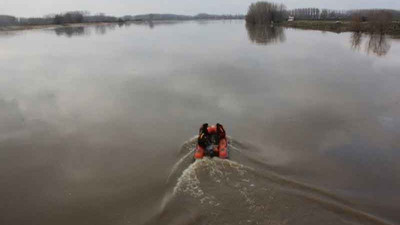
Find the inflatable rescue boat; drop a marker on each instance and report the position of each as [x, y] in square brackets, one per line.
[212, 142]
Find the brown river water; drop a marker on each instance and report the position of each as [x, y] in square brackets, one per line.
[98, 125]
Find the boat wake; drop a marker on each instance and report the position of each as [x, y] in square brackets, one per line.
[217, 191]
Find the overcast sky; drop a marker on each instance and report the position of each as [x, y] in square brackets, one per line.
[189, 7]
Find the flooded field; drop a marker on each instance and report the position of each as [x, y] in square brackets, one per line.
[97, 125]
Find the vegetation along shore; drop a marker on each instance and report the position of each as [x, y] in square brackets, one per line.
[339, 26]
[383, 21]
[11, 23]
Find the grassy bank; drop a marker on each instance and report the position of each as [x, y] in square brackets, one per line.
[337, 26]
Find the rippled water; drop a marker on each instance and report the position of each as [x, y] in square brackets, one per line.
[96, 125]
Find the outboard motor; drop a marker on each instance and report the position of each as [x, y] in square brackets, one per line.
[210, 150]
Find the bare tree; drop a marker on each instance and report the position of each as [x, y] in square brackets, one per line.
[265, 13]
[380, 20]
[356, 20]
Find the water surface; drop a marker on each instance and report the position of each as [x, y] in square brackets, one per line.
[96, 125]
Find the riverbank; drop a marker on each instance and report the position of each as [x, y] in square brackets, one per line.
[331, 26]
[53, 26]
[50, 26]
[337, 26]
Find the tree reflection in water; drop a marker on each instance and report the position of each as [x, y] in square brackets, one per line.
[356, 39]
[71, 31]
[264, 34]
[102, 29]
[378, 44]
[84, 30]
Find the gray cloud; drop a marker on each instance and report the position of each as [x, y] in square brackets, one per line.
[129, 7]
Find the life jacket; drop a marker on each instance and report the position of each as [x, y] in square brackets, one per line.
[221, 131]
[204, 138]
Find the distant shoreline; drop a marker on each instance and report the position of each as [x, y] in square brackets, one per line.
[49, 26]
[82, 18]
[320, 25]
[336, 26]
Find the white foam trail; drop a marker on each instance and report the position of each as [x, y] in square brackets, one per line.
[167, 198]
[176, 166]
[181, 160]
[242, 183]
[188, 182]
[217, 169]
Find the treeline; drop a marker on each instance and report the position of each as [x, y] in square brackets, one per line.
[317, 14]
[85, 17]
[361, 20]
[265, 12]
[364, 20]
[379, 21]
[63, 18]
[202, 16]
[328, 14]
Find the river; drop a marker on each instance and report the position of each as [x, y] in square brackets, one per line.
[98, 125]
